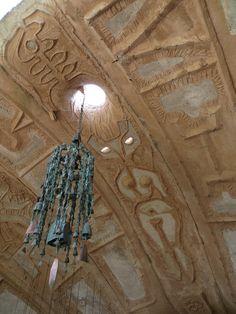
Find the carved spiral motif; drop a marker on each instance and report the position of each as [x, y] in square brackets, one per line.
[194, 306]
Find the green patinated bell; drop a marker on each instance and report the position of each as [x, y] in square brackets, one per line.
[87, 231]
[61, 238]
[83, 252]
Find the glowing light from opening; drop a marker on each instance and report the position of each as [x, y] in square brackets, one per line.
[95, 98]
[129, 140]
[7, 6]
[105, 150]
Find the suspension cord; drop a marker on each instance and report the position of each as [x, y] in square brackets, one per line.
[81, 115]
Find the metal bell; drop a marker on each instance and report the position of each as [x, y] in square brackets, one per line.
[83, 253]
[87, 231]
[38, 206]
[54, 236]
[33, 226]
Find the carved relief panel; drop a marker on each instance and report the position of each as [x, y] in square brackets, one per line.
[156, 67]
[147, 198]
[15, 200]
[120, 264]
[105, 226]
[46, 59]
[220, 214]
[21, 141]
[135, 26]
[156, 208]
[190, 101]
[85, 292]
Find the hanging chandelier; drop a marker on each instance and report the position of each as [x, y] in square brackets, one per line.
[60, 218]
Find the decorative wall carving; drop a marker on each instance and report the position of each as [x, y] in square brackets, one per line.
[229, 236]
[229, 10]
[123, 269]
[156, 67]
[10, 303]
[179, 23]
[119, 25]
[160, 221]
[88, 299]
[88, 294]
[221, 198]
[105, 226]
[155, 232]
[26, 263]
[21, 141]
[118, 147]
[128, 276]
[15, 200]
[139, 184]
[224, 233]
[187, 88]
[118, 21]
[191, 100]
[8, 243]
[44, 53]
[196, 304]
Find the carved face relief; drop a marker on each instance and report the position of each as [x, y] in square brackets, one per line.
[123, 145]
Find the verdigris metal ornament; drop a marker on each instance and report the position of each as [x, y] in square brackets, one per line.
[87, 231]
[61, 237]
[61, 215]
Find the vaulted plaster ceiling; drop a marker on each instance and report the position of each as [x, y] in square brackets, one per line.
[165, 215]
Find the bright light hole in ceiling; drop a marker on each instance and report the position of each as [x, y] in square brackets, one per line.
[105, 150]
[95, 98]
[6, 6]
[129, 140]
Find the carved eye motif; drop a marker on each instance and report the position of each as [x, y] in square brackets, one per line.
[129, 140]
[151, 212]
[122, 145]
[105, 150]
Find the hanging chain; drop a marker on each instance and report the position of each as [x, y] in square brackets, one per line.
[81, 115]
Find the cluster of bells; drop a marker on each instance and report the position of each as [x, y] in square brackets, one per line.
[61, 216]
[58, 237]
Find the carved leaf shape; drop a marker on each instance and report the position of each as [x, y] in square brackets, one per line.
[59, 57]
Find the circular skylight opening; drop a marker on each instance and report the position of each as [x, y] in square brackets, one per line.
[95, 98]
[7, 6]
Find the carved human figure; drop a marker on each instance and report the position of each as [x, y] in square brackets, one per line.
[160, 221]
